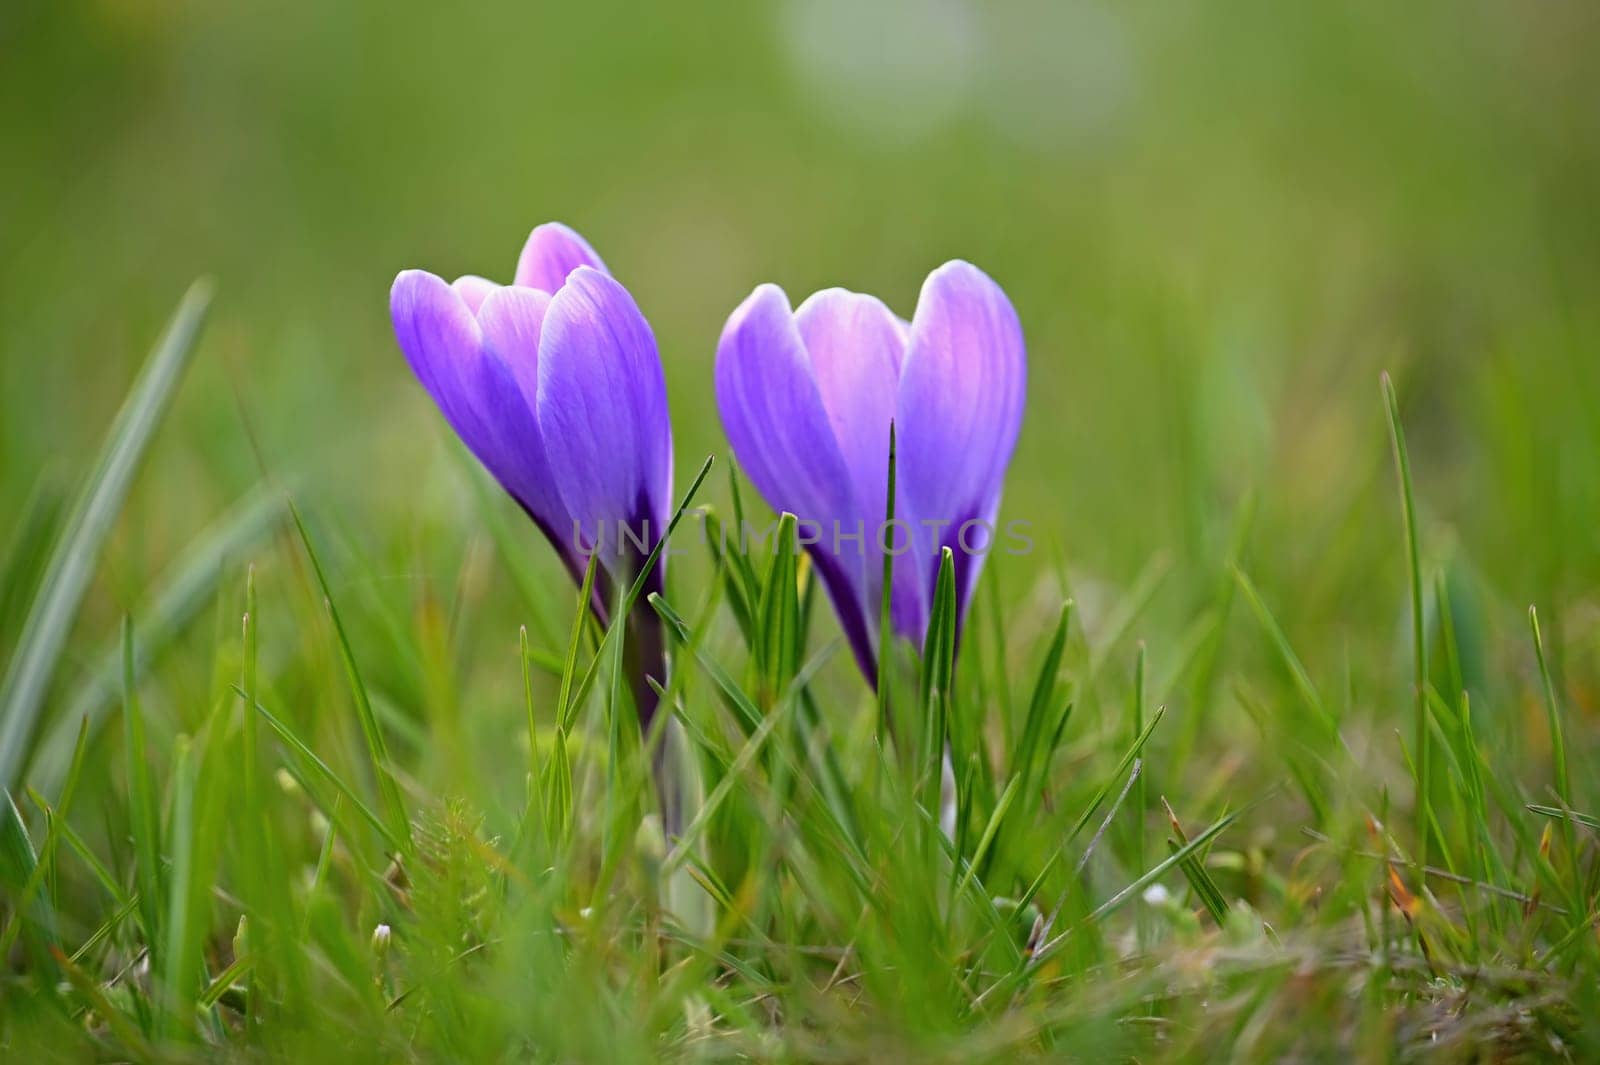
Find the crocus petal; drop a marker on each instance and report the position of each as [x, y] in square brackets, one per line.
[473, 290]
[467, 366]
[511, 321]
[960, 403]
[602, 407]
[773, 412]
[856, 346]
[855, 349]
[775, 418]
[440, 339]
[552, 252]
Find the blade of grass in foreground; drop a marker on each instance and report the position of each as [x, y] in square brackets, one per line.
[637, 588]
[28, 675]
[19, 866]
[183, 591]
[1558, 739]
[885, 600]
[300, 747]
[23, 903]
[938, 674]
[399, 824]
[31, 530]
[1419, 648]
[144, 816]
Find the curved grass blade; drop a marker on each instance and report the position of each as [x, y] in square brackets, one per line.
[24, 557]
[885, 600]
[1419, 646]
[184, 591]
[399, 832]
[565, 707]
[144, 815]
[287, 735]
[777, 647]
[19, 874]
[1552, 709]
[23, 903]
[620, 621]
[61, 591]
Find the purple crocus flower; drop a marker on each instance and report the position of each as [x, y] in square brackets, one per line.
[554, 383]
[807, 397]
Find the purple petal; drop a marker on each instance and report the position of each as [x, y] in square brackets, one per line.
[553, 252]
[961, 397]
[473, 290]
[468, 369]
[511, 320]
[440, 339]
[856, 346]
[856, 350]
[773, 411]
[602, 407]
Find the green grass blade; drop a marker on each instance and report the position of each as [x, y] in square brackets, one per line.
[510, 542]
[399, 823]
[247, 674]
[44, 634]
[1552, 709]
[779, 625]
[55, 821]
[938, 675]
[1291, 661]
[1194, 869]
[566, 706]
[123, 911]
[301, 748]
[996, 819]
[1117, 774]
[1026, 757]
[183, 592]
[834, 790]
[1419, 647]
[1155, 873]
[1559, 814]
[20, 875]
[26, 553]
[175, 963]
[619, 622]
[886, 599]
[144, 816]
[742, 568]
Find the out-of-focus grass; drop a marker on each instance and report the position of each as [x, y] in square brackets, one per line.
[1219, 222]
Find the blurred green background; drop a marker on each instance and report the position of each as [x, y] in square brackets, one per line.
[1218, 221]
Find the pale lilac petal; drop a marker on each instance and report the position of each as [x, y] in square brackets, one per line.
[602, 408]
[473, 290]
[960, 404]
[856, 346]
[856, 350]
[773, 412]
[554, 251]
[775, 419]
[440, 339]
[512, 320]
[476, 390]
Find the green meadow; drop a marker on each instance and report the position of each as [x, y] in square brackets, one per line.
[1279, 744]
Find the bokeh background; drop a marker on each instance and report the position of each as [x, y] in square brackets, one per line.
[1219, 222]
